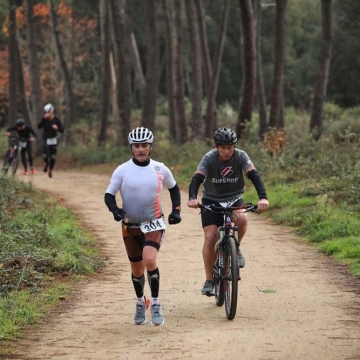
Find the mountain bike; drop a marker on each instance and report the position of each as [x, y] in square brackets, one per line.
[226, 269]
[11, 158]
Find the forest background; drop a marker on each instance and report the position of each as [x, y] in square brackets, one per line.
[284, 74]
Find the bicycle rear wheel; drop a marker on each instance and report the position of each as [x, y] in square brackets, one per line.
[218, 285]
[6, 163]
[231, 276]
[14, 162]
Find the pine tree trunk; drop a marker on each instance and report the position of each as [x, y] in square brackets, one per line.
[316, 122]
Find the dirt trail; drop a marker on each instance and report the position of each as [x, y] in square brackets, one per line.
[314, 313]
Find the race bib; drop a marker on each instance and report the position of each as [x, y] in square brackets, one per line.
[22, 144]
[153, 225]
[51, 141]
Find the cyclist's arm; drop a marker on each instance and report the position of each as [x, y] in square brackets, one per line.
[255, 178]
[9, 130]
[32, 132]
[41, 123]
[195, 183]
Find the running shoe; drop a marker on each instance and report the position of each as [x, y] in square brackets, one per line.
[140, 312]
[45, 168]
[207, 287]
[25, 172]
[157, 318]
[50, 174]
[33, 171]
[240, 259]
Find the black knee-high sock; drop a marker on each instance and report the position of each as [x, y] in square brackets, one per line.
[154, 282]
[138, 283]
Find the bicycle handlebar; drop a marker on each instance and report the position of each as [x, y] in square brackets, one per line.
[222, 210]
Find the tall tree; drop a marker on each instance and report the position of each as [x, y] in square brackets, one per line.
[105, 71]
[261, 96]
[34, 70]
[196, 68]
[170, 71]
[21, 91]
[211, 116]
[179, 76]
[136, 61]
[316, 122]
[69, 94]
[125, 113]
[13, 64]
[200, 13]
[249, 71]
[152, 67]
[279, 63]
[121, 25]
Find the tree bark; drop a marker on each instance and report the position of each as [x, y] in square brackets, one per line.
[196, 69]
[200, 13]
[261, 96]
[249, 71]
[21, 88]
[69, 95]
[13, 65]
[316, 122]
[279, 62]
[139, 73]
[105, 72]
[211, 115]
[152, 67]
[170, 73]
[179, 87]
[125, 113]
[35, 85]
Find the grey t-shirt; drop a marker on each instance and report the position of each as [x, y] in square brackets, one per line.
[224, 180]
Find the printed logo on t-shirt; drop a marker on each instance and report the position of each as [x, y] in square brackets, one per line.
[227, 172]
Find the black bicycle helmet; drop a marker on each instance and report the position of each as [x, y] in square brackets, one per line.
[225, 136]
[20, 122]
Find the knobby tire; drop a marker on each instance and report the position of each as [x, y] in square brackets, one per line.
[231, 278]
[6, 163]
[15, 162]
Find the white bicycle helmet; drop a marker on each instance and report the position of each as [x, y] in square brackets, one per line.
[48, 107]
[140, 135]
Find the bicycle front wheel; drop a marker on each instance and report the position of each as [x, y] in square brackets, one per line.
[231, 278]
[14, 162]
[6, 163]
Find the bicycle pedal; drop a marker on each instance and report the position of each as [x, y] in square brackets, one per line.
[209, 294]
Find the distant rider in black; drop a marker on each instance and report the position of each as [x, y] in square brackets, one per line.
[51, 125]
[24, 134]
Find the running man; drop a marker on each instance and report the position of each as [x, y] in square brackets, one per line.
[140, 181]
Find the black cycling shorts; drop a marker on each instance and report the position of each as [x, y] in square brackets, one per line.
[210, 218]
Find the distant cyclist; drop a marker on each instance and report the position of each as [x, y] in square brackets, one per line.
[221, 173]
[24, 133]
[51, 125]
[140, 182]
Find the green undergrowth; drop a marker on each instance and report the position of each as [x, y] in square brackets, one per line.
[42, 247]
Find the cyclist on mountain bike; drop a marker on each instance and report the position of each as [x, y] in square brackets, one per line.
[221, 171]
[51, 125]
[24, 134]
[140, 181]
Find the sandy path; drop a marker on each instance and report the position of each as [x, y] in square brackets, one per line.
[314, 313]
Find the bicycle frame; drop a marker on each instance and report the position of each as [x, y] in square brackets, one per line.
[226, 269]
[11, 156]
